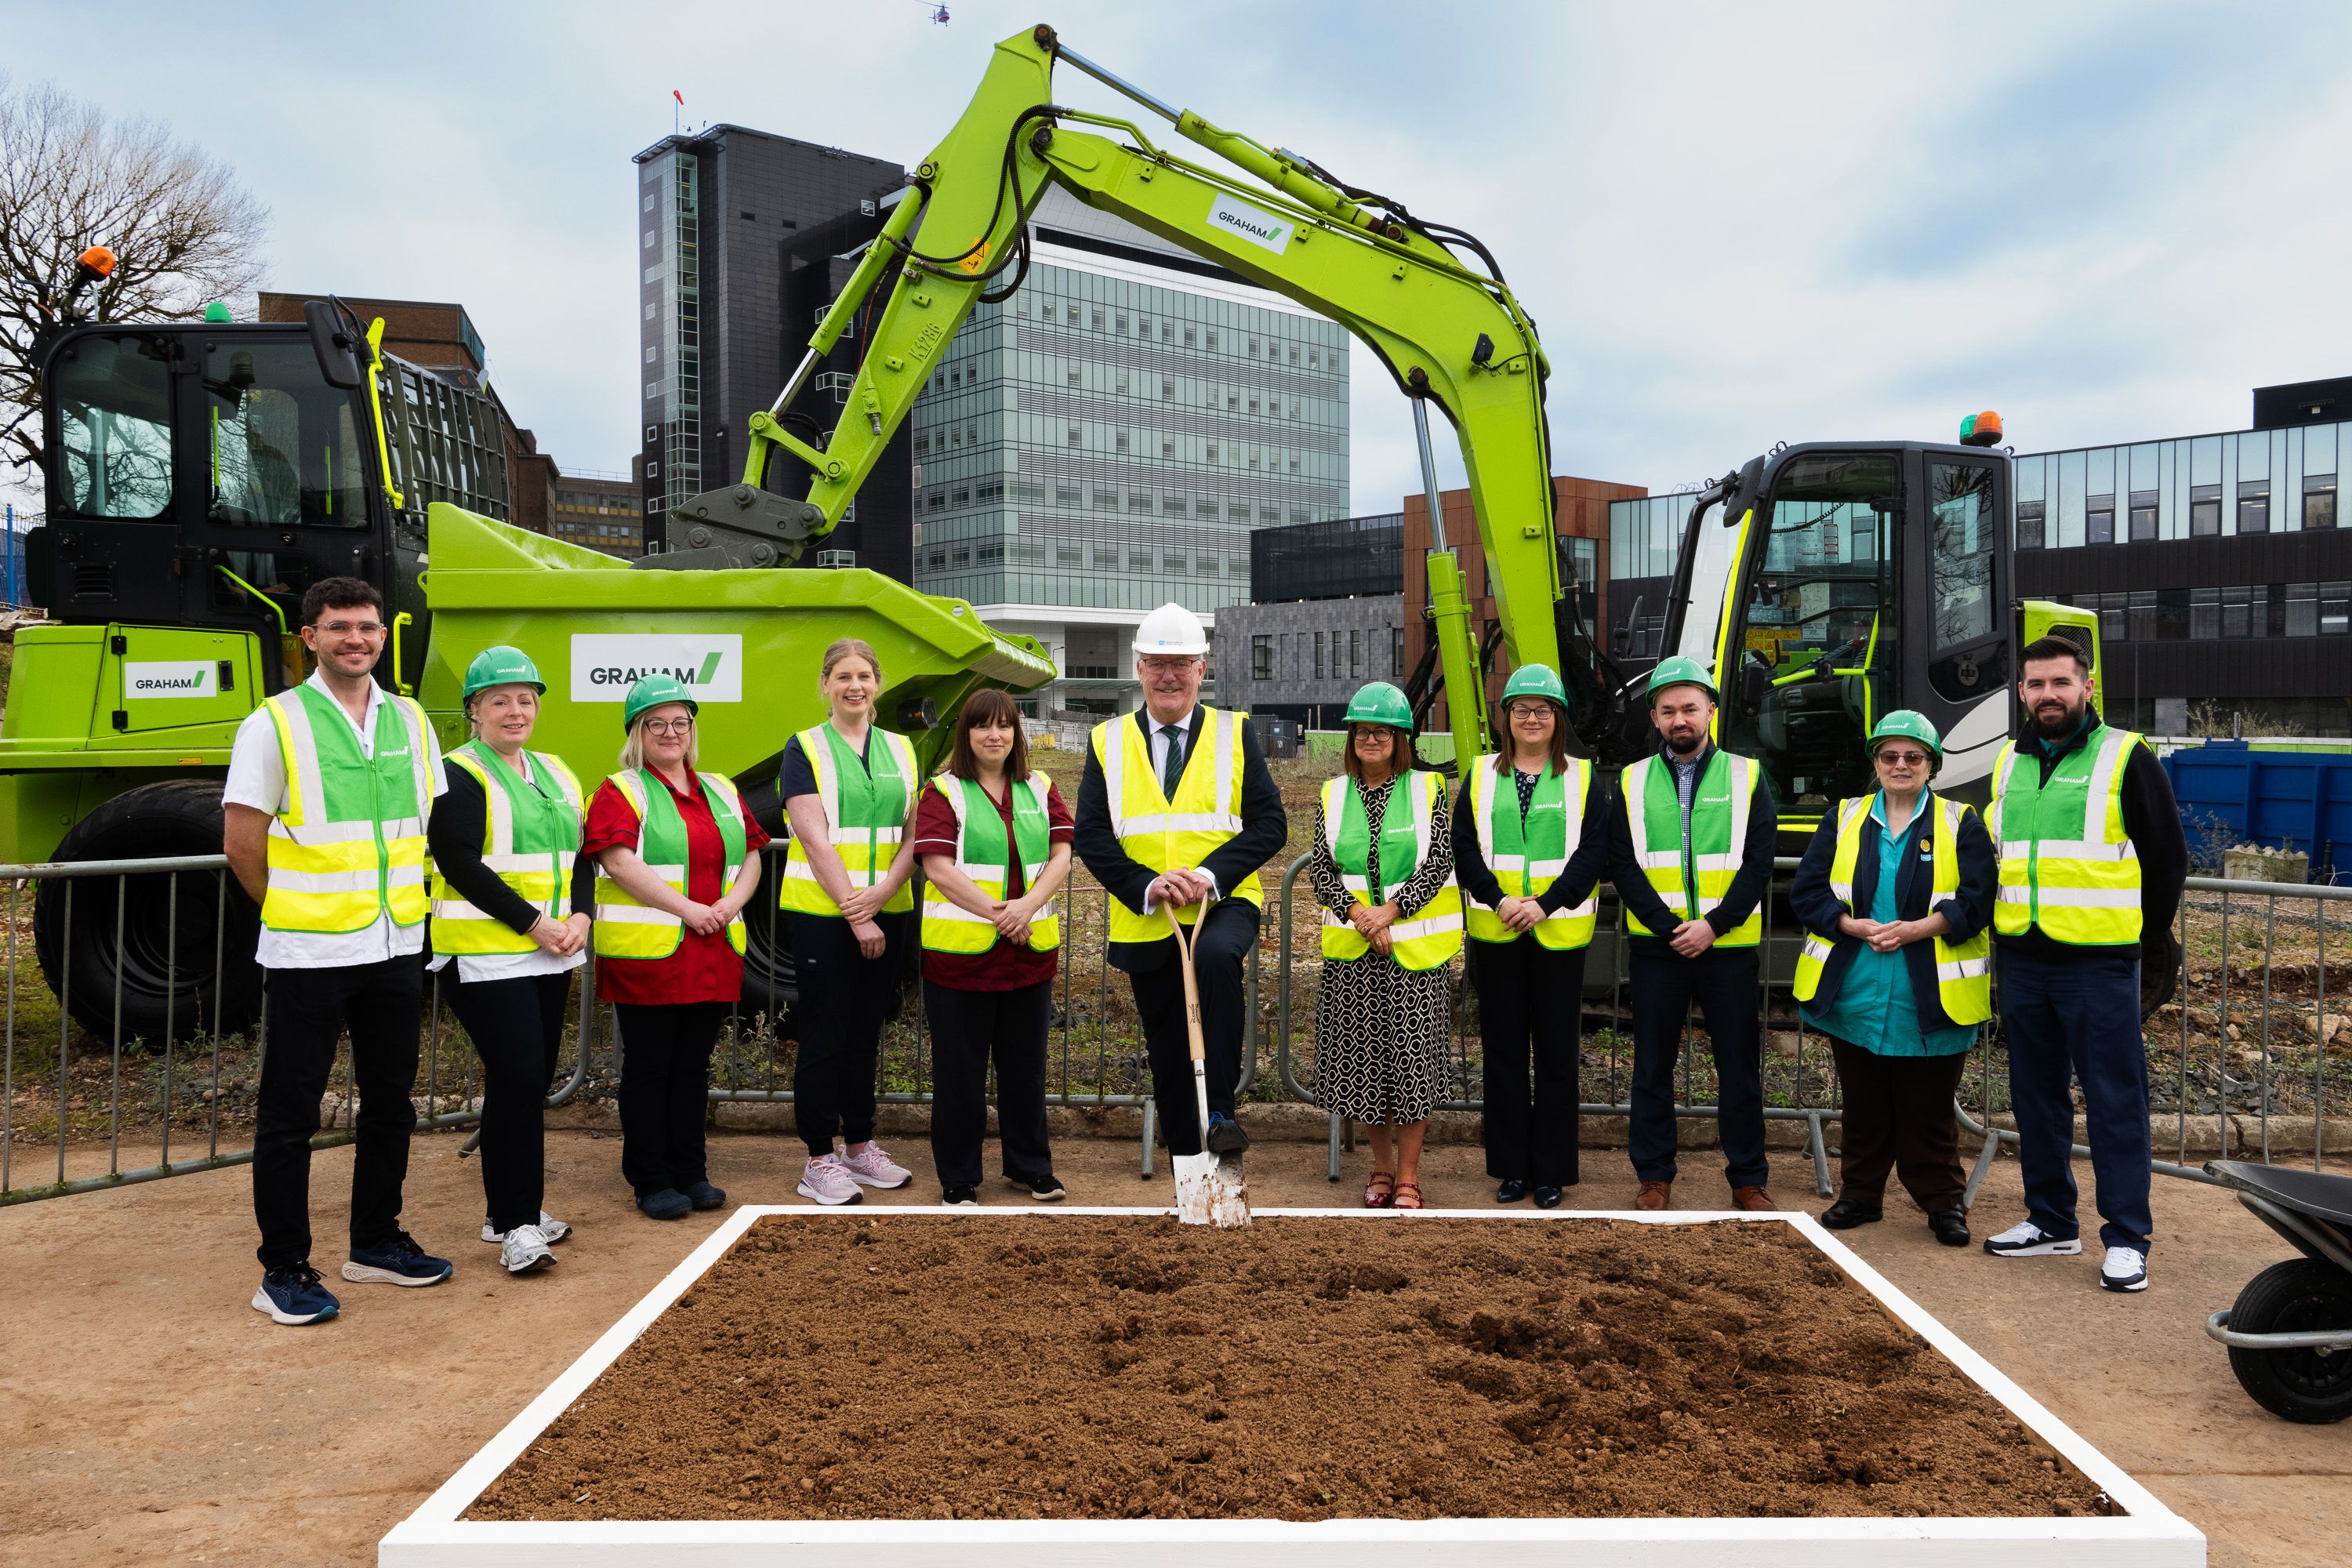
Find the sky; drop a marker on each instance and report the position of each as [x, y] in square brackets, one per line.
[1734, 224]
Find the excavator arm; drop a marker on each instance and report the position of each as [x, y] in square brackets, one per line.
[1450, 335]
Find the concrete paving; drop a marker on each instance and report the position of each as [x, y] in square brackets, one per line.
[147, 1414]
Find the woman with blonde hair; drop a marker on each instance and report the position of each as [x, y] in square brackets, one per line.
[677, 858]
[848, 787]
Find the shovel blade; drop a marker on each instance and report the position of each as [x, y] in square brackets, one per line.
[1211, 1190]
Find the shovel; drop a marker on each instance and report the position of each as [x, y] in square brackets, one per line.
[1210, 1189]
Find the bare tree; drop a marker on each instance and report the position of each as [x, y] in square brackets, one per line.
[184, 231]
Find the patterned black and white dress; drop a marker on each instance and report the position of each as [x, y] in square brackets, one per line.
[1380, 1029]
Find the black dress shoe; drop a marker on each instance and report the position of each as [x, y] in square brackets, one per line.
[1950, 1226]
[1548, 1197]
[1844, 1215]
[1225, 1135]
[1511, 1192]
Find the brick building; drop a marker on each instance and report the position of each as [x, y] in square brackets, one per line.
[598, 512]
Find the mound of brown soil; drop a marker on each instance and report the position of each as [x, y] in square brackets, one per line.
[931, 1367]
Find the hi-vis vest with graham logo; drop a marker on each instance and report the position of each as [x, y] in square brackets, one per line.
[1693, 878]
[1432, 934]
[529, 837]
[1963, 972]
[984, 855]
[1160, 833]
[2066, 864]
[350, 845]
[867, 805]
[626, 928]
[1528, 855]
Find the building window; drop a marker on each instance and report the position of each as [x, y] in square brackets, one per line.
[1074, 435]
[2099, 520]
[2204, 510]
[1261, 658]
[1211, 340]
[2319, 501]
[2237, 612]
[1167, 386]
[1396, 639]
[2204, 614]
[2255, 506]
[1318, 655]
[1355, 652]
[2302, 609]
[2140, 610]
[2030, 516]
[1094, 321]
[2143, 515]
[2334, 609]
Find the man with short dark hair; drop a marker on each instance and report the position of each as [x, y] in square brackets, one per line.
[324, 811]
[2093, 859]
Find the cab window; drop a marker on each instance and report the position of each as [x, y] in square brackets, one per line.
[282, 448]
[1961, 497]
[113, 398]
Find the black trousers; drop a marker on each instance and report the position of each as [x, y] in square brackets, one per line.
[969, 1028]
[1722, 982]
[517, 1027]
[844, 998]
[1226, 935]
[308, 1010]
[1531, 1013]
[664, 1092]
[1898, 1116]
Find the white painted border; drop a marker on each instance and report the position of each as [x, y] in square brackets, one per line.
[2146, 1535]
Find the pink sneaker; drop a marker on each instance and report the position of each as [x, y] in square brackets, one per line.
[873, 1168]
[829, 1182]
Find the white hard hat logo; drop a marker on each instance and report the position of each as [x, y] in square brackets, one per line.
[1172, 629]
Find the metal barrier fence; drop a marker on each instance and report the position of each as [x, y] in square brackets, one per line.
[2247, 1057]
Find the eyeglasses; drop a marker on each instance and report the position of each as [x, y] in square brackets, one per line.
[345, 628]
[1172, 666]
[1528, 709]
[1904, 758]
[669, 726]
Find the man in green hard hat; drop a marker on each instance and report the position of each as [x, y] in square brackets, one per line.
[1691, 845]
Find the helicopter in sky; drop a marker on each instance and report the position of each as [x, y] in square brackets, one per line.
[939, 13]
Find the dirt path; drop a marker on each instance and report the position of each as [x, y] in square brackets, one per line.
[146, 1415]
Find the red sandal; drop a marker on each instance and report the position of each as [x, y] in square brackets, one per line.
[1380, 1189]
[1398, 1200]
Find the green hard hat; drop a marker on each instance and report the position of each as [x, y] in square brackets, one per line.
[1536, 680]
[1904, 724]
[651, 691]
[1681, 670]
[1380, 703]
[501, 665]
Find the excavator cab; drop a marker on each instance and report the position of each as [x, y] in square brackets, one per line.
[1830, 584]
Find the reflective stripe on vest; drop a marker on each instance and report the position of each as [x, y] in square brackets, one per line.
[2066, 864]
[1433, 933]
[350, 846]
[624, 927]
[866, 813]
[1963, 973]
[1158, 833]
[982, 854]
[1528, 855]
[1721, 801]
[529, 837]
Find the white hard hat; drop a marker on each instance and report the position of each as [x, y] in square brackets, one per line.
[1172, 629]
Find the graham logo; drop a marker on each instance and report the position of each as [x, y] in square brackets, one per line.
[604, 665]
[1254, 224]
[170, 677]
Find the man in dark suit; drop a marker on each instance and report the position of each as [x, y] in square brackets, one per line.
[1177, 810]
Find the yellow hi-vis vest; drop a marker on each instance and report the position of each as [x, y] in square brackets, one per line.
[1158, 833]
[2065, 863]
[867, 808]
[1528, 855]
[625, 927]
[1431, 935]
[1720, 805]
[528, 838]
[984, 855]
[1963, 970]
[350, 845]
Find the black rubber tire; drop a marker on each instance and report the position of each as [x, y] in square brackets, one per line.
[2301, 1295]
[167, 977]
[770, 979]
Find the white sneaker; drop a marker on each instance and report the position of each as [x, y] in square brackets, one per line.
[871, 1167]
[2027, 1239]
[829, 1181]
[550, 1230]
[2125, 1268]
[523, 1250]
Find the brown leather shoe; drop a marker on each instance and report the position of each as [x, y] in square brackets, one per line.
[1654, 1195]
[1753, 1200]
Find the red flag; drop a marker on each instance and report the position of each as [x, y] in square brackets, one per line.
[679, 96]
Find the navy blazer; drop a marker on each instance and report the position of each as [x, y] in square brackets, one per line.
[1968, 911]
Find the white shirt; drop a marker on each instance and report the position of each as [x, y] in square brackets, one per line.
[257, 777]
[1162, 737]
[473, 967]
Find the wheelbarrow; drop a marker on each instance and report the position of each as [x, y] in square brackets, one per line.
[2290, 1333]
